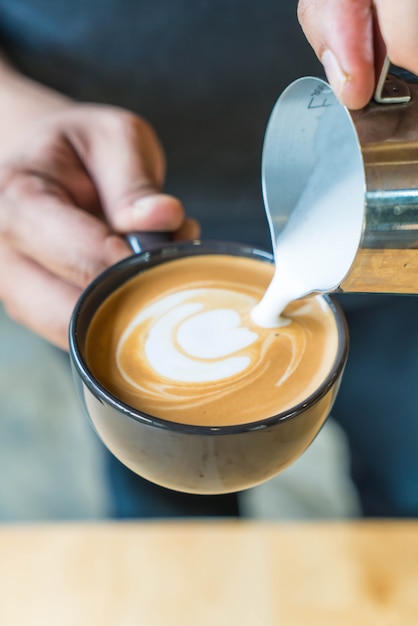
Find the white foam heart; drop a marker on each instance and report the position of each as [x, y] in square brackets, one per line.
[188, 344]
[169, 362]
[214, 334]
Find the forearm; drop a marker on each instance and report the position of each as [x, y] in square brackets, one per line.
[22, 103]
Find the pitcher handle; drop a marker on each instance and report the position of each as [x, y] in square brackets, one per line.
[390, 89]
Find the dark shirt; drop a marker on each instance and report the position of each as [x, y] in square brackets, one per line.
[205, 73]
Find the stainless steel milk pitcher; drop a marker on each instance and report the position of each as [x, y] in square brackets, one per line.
[310, 132]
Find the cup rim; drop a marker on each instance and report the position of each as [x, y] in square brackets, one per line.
[172, 251]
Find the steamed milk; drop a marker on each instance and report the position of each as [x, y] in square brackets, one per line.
[319, 242]
[179, 342]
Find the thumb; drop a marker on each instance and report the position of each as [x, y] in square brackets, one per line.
[126, 163]
[342, 35]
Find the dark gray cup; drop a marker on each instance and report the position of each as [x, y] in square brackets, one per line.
[194, 459]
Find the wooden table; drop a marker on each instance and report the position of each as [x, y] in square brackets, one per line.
[215, 573]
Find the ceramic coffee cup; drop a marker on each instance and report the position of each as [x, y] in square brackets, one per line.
[193, 458]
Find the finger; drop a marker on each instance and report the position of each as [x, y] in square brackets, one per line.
[126, 162]
[154, 212]
[341, 34]
[37, 219]
[43, 303]
[399, 26]
[190, 229]
[50, 156]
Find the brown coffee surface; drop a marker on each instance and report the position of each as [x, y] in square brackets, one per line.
[279, 369]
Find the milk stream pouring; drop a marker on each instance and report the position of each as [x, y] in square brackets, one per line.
[341, 192]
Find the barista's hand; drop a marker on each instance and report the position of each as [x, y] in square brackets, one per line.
[75, 181]
[345, 37]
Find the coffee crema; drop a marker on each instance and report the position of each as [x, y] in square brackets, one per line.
[178, 342]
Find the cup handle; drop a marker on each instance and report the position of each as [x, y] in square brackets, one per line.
[143, 241]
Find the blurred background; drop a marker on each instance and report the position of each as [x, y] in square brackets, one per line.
[50, 458]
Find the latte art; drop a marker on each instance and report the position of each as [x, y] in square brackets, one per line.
[185, 338]
[179, 342]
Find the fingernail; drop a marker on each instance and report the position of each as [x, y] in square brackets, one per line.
[142, 207]
[336, 76]
[134, 215]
